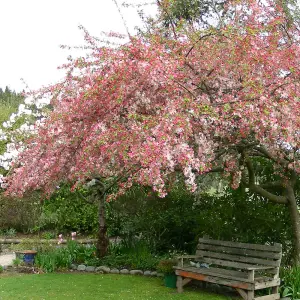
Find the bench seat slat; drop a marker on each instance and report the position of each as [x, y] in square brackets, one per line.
[214, 273]
[214, 279]
[269, 248]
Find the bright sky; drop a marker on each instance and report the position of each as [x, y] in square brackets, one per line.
[31, 32]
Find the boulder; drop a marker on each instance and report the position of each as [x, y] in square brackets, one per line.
[136, 272]
[81, 267]
[90, 269]
[103, 269]
[114, 271]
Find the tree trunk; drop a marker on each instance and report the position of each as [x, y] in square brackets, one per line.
[102, 240]
[295, 219]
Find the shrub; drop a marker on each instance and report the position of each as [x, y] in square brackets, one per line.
[166, 266]
[68, 211]
[17, 262]
[61, 257]
[1, 269]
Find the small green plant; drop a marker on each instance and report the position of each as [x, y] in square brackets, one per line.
[291, 282]
[1, 269]
[17, 262]
[11, 232]
[166, 266]
[48, 235]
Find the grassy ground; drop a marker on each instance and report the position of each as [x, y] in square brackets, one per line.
[93, 286]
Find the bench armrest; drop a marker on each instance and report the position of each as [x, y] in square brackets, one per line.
[181, 258]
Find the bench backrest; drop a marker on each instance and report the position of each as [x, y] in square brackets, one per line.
[238, 254]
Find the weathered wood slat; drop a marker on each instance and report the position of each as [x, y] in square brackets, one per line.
[266, 284]
[240, 251]
[269, 248]
[212, 279]
[235, 273]
[268, 297]
[215, 273]
[245, 259]
[232, 264]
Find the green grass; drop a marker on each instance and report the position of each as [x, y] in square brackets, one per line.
[93, 286]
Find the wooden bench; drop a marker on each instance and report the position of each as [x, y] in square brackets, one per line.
[244, 267]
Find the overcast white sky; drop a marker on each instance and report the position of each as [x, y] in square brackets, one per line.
[32, 30]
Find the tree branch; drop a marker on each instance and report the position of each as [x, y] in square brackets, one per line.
[261, 191]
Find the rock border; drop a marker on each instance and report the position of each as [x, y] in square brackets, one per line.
[107, 270]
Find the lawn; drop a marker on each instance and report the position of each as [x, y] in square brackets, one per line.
[93, 286]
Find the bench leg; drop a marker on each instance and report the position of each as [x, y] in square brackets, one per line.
[250, 295]
[242, 293]
[179, 284]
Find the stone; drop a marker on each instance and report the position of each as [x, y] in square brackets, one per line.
[124, 271]
[154, 273]
[147, 273]
[114, 271]
[160, 275]
[81, 268]
[136, 272]
[99, 270]
[73, 267]
[90, 269]
[104, 269]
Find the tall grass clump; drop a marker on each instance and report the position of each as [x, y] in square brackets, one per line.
[290, 277]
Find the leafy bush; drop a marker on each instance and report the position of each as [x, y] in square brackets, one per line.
[290, 282]
[61, 257]
[68, 211]
[178, 220]
[1, 269]
[20, 214]
[17, 262]
[133, 255]
[166, 266]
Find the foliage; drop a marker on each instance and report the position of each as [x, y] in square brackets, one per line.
[88, 287]
[9, 102]
[34, 244]
[17, 262]
[133, 255]
[10, 232]
[290, 282]
[48, 235]
[199, 11]
[68, 211]
[1, 269]
[166, 266]
[20, 214]
[60, 257]
[179, 219]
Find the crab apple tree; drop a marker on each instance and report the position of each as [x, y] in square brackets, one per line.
[195, 102]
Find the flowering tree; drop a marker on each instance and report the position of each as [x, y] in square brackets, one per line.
[198, 102]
